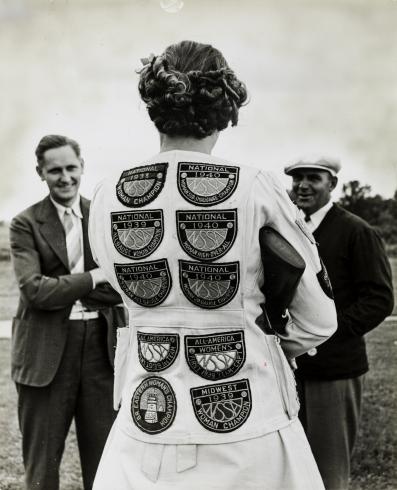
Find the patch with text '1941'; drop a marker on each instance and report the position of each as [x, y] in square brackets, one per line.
[157, 351]
[215, 356]
[206, 184]
[153, 405]
[141, 185]
[137, 234]
[207, 235]
[146, 283]
[222, 407]
[209, 285]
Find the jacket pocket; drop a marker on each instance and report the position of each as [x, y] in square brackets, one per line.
[120, 364]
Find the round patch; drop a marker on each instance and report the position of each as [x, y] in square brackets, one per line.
[157, 351]
[153, 405]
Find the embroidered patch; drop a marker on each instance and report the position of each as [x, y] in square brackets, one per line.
[146, 283]
[141, 185]
[157, 351]
[222, 407]
[205, 184]
[305, 230]
[215, 356]
[137, 234]
[209, 285]
[153, 405]
[206, 235]
[324, 280]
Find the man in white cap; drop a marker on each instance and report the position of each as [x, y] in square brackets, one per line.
[330, 377]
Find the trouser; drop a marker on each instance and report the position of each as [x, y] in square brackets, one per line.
[82, 388]
[330, 414]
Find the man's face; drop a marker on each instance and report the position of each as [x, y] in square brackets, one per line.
[62, 170]
[312, 188]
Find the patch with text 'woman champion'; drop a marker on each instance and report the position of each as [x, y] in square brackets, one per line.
[141, 185]
[215, 356]
[222, 407]
[137, 234]
[206, 184]
[207, 235]
[146, 283]
[324, 280]
[153, 405]
[209, 285]
[157, 351]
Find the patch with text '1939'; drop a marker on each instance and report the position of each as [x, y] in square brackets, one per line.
[137, 234]
[206, 184]
[209, 285]
[215, 356]
[141, 185]
[157, 351]
[146, 283]
[207, 235]
[222, 407]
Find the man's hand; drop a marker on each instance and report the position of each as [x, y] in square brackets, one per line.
[98, 276]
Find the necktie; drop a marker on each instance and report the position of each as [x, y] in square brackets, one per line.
[307, 218]
[73, 242]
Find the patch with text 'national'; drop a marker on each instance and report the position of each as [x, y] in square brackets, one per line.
[157, 351]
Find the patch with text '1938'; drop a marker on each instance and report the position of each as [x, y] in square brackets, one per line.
[206, 184]
[141, 185]
[209, 285]
[137, 234]
[146, 283]
[222, 407]
[207, 235]
[215, 356]
[157, 351]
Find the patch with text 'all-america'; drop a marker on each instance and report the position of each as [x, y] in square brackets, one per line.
[157, 351]
[325, 282]
[206, 184]
[222, 407]
[207, 235]
[209, 285]
[146, 283]
[153, 405]
[137, 234]
[215, 356]
[141, 185]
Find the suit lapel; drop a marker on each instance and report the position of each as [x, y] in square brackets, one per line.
[88, 259]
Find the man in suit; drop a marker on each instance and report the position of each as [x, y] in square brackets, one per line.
[330, 377]
[63, 334]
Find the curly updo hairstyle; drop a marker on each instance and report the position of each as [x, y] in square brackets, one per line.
[190, 90]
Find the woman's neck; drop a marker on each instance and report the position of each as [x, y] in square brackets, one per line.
[204, 145]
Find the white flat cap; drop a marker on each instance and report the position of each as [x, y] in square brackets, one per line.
[331, 165]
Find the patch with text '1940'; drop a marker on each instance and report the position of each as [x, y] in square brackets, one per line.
[153, 405]
[207, 235]
[215, 356]
[146, 283]
[206, 184]
[137, 234]
[209, 285]
[141, 185]
[157, 351]
[222, 407]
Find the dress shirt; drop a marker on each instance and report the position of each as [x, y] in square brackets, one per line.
[316, 218]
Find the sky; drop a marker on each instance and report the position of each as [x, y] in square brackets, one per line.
[321, 75]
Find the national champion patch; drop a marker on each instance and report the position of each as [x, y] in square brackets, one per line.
[153, 405]
[222, 407]
[207, 235]
[215, 356]
[206, 184]
[141, 185]
[325, 282]
[146, 283]
[137, 234]
[209, 285]
[157, 351]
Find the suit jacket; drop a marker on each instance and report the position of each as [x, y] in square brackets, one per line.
[48, 291]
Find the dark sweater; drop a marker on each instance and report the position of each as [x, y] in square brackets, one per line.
[360, 273]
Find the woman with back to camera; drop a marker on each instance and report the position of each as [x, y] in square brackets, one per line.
[207, 395]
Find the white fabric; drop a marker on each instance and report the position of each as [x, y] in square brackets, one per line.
[316, 218]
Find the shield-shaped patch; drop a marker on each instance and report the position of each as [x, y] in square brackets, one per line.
[146, 283]
[222, 407]
[157, 351]
[205, 184]
[141, 185]
[215, 356]
[209, 285]
[137, 234]
[207, 235]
